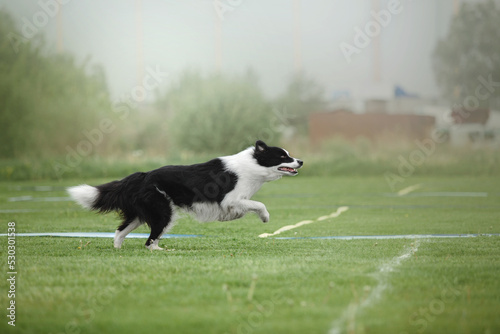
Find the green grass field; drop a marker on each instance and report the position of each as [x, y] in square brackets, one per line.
[232, 281]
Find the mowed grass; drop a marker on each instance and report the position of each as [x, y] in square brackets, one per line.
[232, 281]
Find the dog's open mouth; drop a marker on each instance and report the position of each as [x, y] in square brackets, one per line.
[288, 170]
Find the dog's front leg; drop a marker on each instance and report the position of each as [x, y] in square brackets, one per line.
[254, 206]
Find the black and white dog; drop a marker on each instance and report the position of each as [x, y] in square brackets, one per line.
[219, 189]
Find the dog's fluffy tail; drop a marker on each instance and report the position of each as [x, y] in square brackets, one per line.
[84, 195]
[112, 196]
[104, 198]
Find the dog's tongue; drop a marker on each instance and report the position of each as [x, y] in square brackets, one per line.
[288, 169]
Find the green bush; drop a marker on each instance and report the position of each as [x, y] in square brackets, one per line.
[46, 100]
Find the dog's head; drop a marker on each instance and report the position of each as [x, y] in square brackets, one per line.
[277, 159]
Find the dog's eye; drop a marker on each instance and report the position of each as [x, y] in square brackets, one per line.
[283, 157]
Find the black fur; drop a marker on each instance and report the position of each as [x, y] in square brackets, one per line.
[270, 156]
[139, 195]
[220, 189]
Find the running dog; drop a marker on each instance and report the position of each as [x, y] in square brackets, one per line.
[217, 190]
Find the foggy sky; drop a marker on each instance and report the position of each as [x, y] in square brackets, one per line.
[273, 37]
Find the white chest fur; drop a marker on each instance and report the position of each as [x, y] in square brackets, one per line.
[237, 203]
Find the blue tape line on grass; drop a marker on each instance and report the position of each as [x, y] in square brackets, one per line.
[407, 236]
[99, 235]
[168, 236]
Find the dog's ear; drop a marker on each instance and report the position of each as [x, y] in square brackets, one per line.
[260, 146]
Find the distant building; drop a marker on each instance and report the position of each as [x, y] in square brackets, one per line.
[345, 124]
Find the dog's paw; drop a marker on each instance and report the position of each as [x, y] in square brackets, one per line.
[154, 247]
[264, 216]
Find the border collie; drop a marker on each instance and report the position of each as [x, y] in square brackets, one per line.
[219, 189]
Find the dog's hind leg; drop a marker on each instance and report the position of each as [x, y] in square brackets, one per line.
[124, 229]
[157, 230]
[160, 219]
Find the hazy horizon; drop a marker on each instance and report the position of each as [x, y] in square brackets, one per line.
[275, 39]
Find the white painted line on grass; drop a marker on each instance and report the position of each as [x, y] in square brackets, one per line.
[18, 211]
[409, 189]
[306, 222]
[451, 194]
[38, 199]
[346, 321]
[406, 193]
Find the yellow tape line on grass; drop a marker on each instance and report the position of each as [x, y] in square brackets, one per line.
[306, 222]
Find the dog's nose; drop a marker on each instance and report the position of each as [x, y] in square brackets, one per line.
[300, 162]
